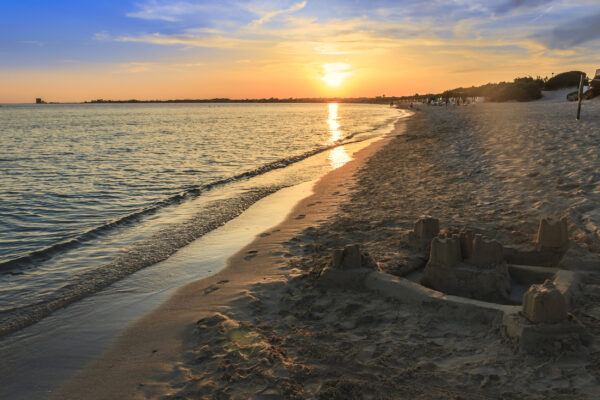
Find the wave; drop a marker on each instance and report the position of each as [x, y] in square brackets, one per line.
[150, 251]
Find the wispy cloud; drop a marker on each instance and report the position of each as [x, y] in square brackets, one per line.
[269, 15]
[135, 67]
[571, 34]
[493, 35]
[512, 5]
[101, 36]
[187, 39]
[32, 42]
[165, 11]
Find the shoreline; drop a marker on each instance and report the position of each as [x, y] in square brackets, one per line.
[144, 252]
[153, 344]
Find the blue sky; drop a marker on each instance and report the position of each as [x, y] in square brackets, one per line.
[151, 40]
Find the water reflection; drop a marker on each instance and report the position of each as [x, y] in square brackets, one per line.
[337, 156]
[334, 127]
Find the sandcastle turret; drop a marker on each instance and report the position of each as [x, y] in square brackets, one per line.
[445, 251]
[466, 243]
[552, 233]
[348, 267]
[462, 265]
[486, 252]
[347, 258]
[544, 303]
[426, 228]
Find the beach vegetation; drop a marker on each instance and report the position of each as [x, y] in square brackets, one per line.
[521, 89]
[563, 80]
[524, 88]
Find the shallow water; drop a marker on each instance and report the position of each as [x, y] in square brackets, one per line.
[92, 193]
[71, 337]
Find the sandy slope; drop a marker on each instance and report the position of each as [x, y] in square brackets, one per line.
[556, 96]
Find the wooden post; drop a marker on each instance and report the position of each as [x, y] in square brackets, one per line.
[580, 95]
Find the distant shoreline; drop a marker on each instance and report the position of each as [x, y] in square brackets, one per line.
[366, 100]
[352, 100]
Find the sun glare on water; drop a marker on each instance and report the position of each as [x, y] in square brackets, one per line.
[338, 155]
[334, 74]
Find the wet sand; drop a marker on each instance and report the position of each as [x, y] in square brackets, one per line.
[265, 328]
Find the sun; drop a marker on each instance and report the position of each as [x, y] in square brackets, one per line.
[334, 74]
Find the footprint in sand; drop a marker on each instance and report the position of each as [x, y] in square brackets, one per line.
[265, 234]
[251, 254]
[210, 289]
[301, 216]
[223, 281]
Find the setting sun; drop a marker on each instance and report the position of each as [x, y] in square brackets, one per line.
[334, 74]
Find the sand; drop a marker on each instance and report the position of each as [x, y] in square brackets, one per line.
[556, 96]
[265, 328]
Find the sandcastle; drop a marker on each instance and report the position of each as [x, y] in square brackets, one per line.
[550, 246]
[424, 230]
[348, 268]
[544, 326]
[470, 271]
[350, 257]
[467, 265]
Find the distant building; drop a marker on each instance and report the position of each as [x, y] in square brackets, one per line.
[38, 101]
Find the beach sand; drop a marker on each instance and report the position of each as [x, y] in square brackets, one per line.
[265, 328]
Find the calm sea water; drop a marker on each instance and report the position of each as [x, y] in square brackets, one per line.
[91, 193]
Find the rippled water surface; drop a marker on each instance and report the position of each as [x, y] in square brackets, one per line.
[84, 186]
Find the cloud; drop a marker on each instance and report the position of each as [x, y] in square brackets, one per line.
[482, 33]
[188, 40]
[267, 16]
[32, 42]
[136, 67]
[512, 5]
[171, 12]
[101, 36]
[571, 34]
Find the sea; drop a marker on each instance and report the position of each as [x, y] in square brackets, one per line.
[91, 193]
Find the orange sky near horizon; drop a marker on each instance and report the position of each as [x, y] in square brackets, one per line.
[282, 81]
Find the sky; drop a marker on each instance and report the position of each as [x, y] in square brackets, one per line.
[172, 49]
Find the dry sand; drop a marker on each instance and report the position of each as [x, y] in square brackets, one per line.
[263, 328]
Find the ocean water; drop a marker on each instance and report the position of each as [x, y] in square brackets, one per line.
[92, 193]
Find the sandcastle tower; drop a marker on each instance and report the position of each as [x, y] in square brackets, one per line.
[466, 265]
[552, 233]
[544, 303]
